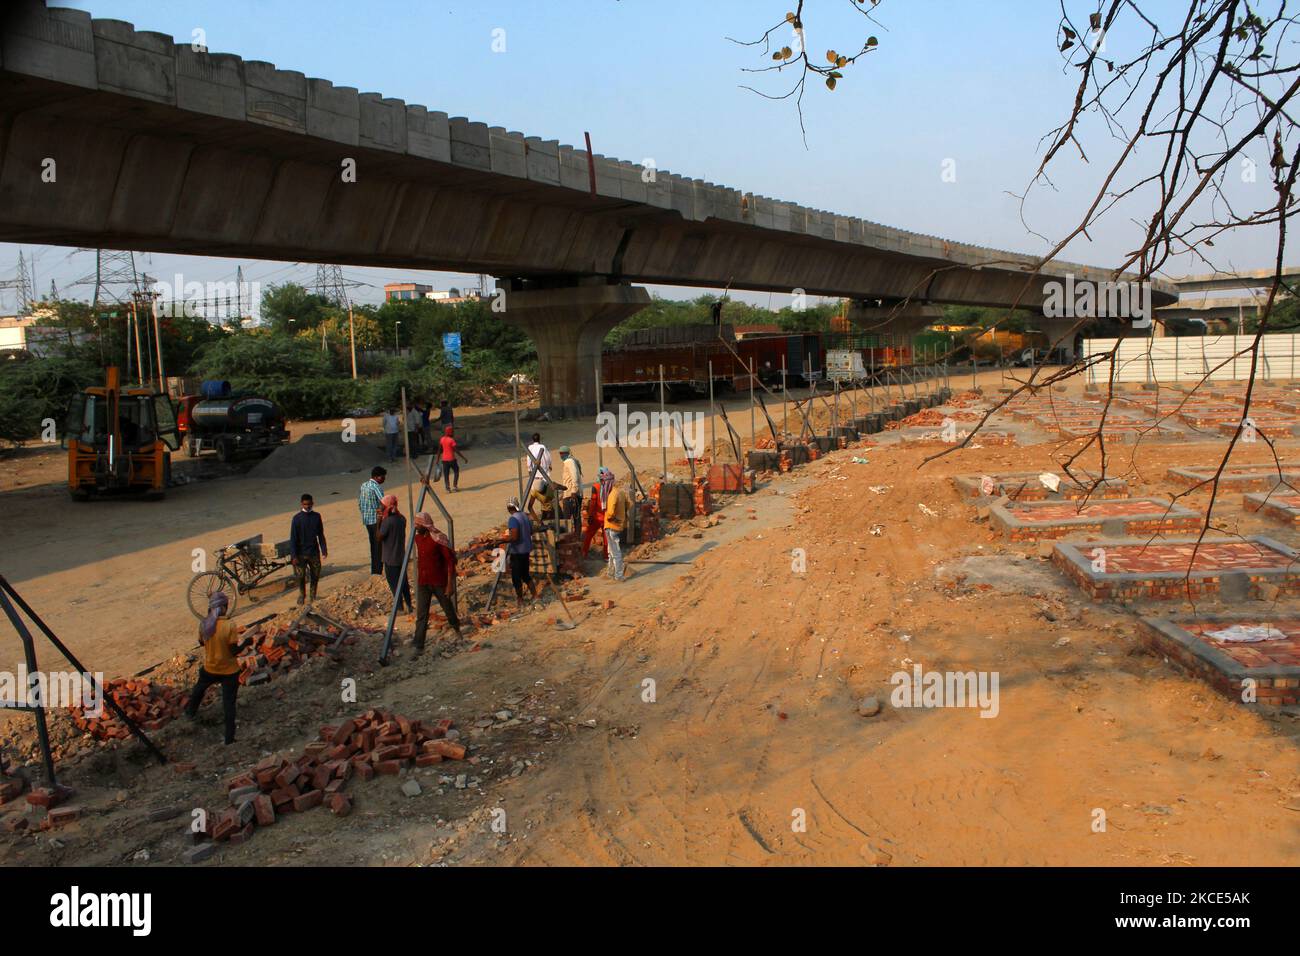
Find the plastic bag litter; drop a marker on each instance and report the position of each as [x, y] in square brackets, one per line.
[1246, 634]
[1050, 481]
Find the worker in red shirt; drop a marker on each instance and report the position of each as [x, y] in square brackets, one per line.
[595, 522]
[450, 450]
[435, 577]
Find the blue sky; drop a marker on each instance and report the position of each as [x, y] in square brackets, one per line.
[978, 83]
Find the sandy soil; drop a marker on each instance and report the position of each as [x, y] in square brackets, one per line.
[757, 671]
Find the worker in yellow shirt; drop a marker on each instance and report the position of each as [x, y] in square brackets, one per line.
[615, 520]
[220, 641]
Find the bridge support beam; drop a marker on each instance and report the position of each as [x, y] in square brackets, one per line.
[904, 321]
[568, 325]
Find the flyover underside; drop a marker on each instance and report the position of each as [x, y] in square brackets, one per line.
[133, 174]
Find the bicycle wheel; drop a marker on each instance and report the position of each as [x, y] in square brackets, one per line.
[203, 585]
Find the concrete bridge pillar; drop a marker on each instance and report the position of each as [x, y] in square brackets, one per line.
[568, 324]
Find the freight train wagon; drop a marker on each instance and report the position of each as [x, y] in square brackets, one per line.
[633, 370]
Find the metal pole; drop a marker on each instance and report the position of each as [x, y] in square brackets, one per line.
[519, 461]
[600, 401]
[785, 402]
[713, 420]
[753, 433]
[130, 322]
[663, 417]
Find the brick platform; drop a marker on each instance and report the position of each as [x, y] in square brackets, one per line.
[1268, 427]
[1133, 517]
[1123, 433]
[1280, 507]
[1261, 476]
[1138, 569]
[1025, 486]
[1274, 666]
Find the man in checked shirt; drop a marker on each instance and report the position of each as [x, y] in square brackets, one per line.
[368, 503]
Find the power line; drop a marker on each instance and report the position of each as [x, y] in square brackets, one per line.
[23, 285]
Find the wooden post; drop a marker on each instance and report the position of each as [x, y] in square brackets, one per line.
[406, 444]
[157, 340]
[352, 340]
[519, 461]
[785, 402]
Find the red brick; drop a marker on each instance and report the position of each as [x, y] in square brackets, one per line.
[222, 830]
[340, 804]
[388, 767]
[241, 836]
[308, 800]
[62, 816]
[450, 750]
[365, 771]
[264, 808]
[428, 759]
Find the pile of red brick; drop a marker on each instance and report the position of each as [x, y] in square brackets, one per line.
[814, 452]
[150, 705]
[703, 498]
[785, 463]
[283, 649]
[376, 743]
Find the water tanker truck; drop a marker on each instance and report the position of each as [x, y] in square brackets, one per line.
[230, 424]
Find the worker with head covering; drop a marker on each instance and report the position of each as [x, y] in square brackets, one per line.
[392, 543]
[571, 495]
[519, 548]
[595, 523]
[220, 641]
[435, 577]
[615, 521]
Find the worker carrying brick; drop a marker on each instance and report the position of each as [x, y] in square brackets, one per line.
[543, 494]
[307, 547]
[615, 521]
[435, 577]
[519, 549]
[571, 496]
[220, 641]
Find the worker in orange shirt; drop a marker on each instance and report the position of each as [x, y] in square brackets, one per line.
[220, 640]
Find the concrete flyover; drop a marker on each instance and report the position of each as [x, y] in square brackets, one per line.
[119, 138]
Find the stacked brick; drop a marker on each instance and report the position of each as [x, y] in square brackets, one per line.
[703, 497]
[1189, 646]
[568, 548]
[150, 705]
[650, 528]
[377, 743]
[785, 463]
[729, 478]
[674, 499]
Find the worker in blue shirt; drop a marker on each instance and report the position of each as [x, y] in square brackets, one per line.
[307, 547]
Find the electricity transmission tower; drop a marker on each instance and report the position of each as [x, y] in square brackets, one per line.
[22, 285]
[113, 268]
[331, 285]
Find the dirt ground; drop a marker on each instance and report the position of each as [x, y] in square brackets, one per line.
[710, 716]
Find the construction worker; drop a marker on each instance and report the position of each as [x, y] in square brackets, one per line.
[519, 549]
[413, 433]
[542, 494]
[392, 539]
[369, 502]
[537, 453]
[595, 523]
[615, 521]
[307, 547]
[450, 450]
[220, 641]
[446, 416]
[435, 577]
[392, 432]
[571, 497]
